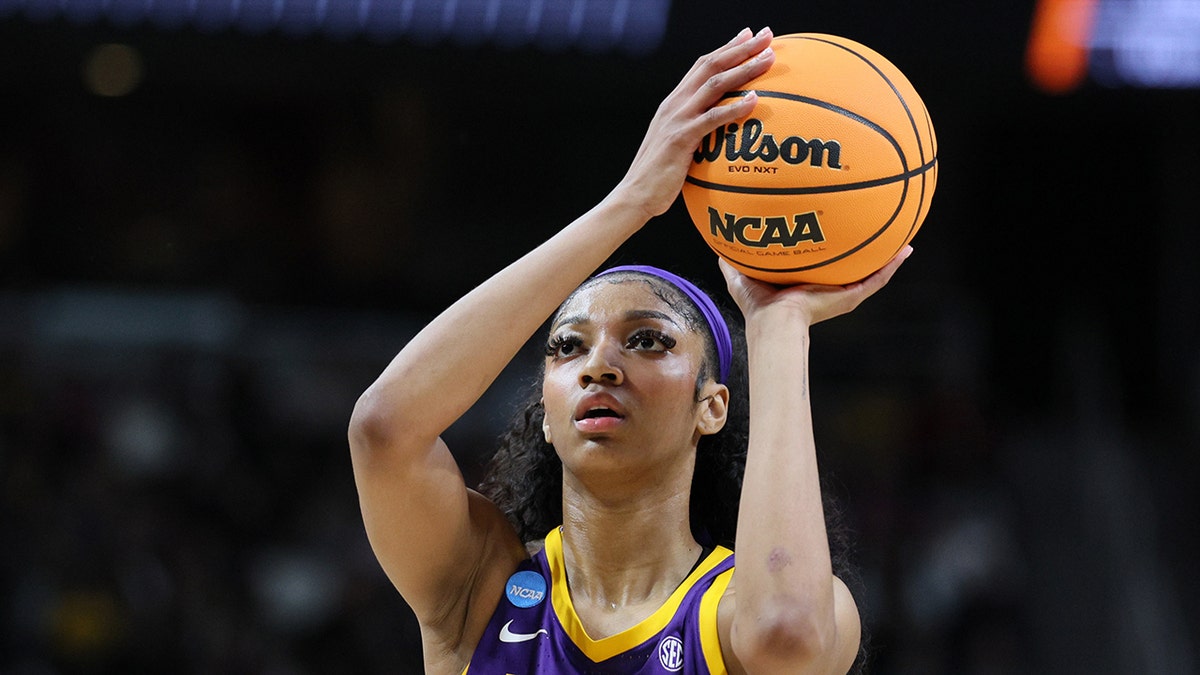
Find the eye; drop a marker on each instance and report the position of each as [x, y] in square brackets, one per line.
[649, 340]
[562, 346]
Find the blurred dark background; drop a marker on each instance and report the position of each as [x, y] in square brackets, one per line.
[213, 235]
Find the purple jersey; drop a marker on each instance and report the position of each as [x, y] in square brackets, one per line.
[535, 631]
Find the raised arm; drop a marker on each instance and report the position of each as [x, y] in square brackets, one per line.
[437, 540]
[790, 613]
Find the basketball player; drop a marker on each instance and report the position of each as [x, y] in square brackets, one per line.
[607, 562]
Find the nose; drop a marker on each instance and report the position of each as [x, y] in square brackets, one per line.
[602, 365]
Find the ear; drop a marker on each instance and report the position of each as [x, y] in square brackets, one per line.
[546, 426]
[714, 409]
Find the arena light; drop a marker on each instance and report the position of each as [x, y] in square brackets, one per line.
[1139, 43]
[1148, 43]
[632, 26]
[112, 70]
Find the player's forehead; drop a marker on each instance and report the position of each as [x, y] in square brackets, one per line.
[623, 298]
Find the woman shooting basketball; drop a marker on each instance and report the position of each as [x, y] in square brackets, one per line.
[639, 379]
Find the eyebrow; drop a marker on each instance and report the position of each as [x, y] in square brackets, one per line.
[630, 316]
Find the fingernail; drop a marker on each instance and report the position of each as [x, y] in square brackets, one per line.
[745, 32]
[765, 54]
[764, 31]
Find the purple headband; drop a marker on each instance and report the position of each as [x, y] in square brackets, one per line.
[712, 315]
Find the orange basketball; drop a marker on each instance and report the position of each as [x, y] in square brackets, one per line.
[830, 175]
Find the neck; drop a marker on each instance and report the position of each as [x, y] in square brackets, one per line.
[627, 552]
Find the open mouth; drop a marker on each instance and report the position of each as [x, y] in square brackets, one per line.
[596, 413]
[599, 413]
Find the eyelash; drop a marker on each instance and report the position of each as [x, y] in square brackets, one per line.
[647, 333]
[556, 343]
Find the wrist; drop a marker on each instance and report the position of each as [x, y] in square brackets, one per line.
[621, 207]
[780, 319]
[777, 339]
[643, 196]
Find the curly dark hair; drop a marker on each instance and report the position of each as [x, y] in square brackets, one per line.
[524, 477]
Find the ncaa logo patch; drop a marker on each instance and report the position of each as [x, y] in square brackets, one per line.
[670, 653]
[525, 589]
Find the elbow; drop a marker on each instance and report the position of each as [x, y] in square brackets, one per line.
[782, 633]
[373, 424]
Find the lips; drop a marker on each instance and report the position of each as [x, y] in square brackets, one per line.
[598, 413]
[598, 405]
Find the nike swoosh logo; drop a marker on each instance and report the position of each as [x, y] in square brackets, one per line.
[507, 635]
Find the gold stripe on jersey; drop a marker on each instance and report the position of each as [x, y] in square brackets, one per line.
[710, 639]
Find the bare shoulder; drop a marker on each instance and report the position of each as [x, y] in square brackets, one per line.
[849, 625]
[725, 611]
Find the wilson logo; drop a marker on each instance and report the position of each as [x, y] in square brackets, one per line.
[754, 145]
[760, 232]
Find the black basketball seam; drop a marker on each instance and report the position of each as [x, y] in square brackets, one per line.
[875, 235]
[811, 190]
[922, 208]
[831, 107]
[907, 111]
[903, 103]
[834, 108]
[886, 225]
[924, 179]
